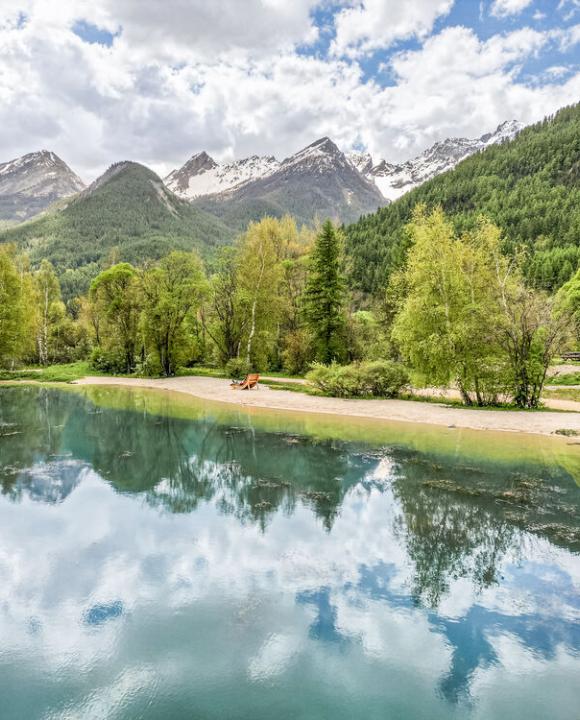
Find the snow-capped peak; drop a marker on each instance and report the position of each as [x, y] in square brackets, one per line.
[362, 161]
[321, 155]
[201, 175]
[39, 174]
[394, 180]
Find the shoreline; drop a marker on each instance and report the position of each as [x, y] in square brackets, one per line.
[429, 413]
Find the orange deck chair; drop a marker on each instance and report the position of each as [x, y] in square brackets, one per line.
[249, 382]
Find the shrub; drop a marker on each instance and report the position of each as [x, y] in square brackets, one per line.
[298, 352]
[149, 366]
[380, 378]
[108, 361]
[385, 378]
[236, 368]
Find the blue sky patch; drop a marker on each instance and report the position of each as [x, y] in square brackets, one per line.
[92, 34]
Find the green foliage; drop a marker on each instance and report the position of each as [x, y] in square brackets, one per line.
[65, 372]
[298, 352]
[465, 316]
[130, 212]
[12, 309]
[110, 360]
[256, 293]
[565, 379]
[448, 320]
[528, 187]
[172, 291]
[532, 334]
[326, 294]
[380, 378]
[116, 305]
[55, 337]
[568, 301]
[367, 338]
[237, 368]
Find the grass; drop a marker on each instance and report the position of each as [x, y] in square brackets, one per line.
[563, 393]
[292, 387]
[456, 403]
[53, 373]
[565, 379]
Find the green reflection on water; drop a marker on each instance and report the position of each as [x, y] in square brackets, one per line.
[209, 561]
[447, 442]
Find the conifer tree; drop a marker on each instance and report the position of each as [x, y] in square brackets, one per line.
[325, 295]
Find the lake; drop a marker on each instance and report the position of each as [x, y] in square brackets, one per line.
[166, 558]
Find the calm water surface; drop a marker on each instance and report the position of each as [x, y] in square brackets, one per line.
[161, 558]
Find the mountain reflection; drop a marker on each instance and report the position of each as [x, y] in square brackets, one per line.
[447, 522]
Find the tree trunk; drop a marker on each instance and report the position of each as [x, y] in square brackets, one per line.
[252, 332]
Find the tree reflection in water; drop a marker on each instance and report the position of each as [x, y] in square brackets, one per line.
[453, 520]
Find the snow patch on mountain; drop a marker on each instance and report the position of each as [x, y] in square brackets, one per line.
[201, 175]
[29, 184]
[394, 180]
[39, 174]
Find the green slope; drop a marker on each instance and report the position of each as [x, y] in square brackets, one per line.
[127, 209]
[530, 187]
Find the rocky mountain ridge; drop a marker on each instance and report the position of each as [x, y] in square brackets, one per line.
[394, 180]
[29, 184]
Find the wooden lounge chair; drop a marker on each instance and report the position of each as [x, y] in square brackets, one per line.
[249, 382]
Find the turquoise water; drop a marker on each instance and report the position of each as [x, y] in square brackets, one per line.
[157, 562]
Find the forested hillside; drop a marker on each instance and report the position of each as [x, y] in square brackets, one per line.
[128, 211]
[530, 187]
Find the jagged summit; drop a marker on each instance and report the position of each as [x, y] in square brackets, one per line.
[202, 175]
[127, 208]
[29, 184]
[318, 181]
[323, 154]
[394, 180]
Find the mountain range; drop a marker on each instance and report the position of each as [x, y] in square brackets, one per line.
[131, 212]
[127, 212]
[202, 176]
[317, 181]
[395, 180]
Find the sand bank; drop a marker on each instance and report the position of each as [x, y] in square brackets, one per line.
[204, 388]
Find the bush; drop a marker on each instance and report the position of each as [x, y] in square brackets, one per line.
[108, 361]
[236, 368]
[385, 378]
[149, 366]
[380, 378]
[298, 352]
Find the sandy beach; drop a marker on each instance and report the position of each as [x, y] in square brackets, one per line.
[218, 390]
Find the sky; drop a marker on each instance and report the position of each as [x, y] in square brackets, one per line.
[98, 81]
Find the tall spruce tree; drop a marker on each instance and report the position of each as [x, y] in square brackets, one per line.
[325, 295]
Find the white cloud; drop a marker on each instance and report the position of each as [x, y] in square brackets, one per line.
[457, 85]
[374, 24]
[158, 102]
[501, 8]
[568, 38]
